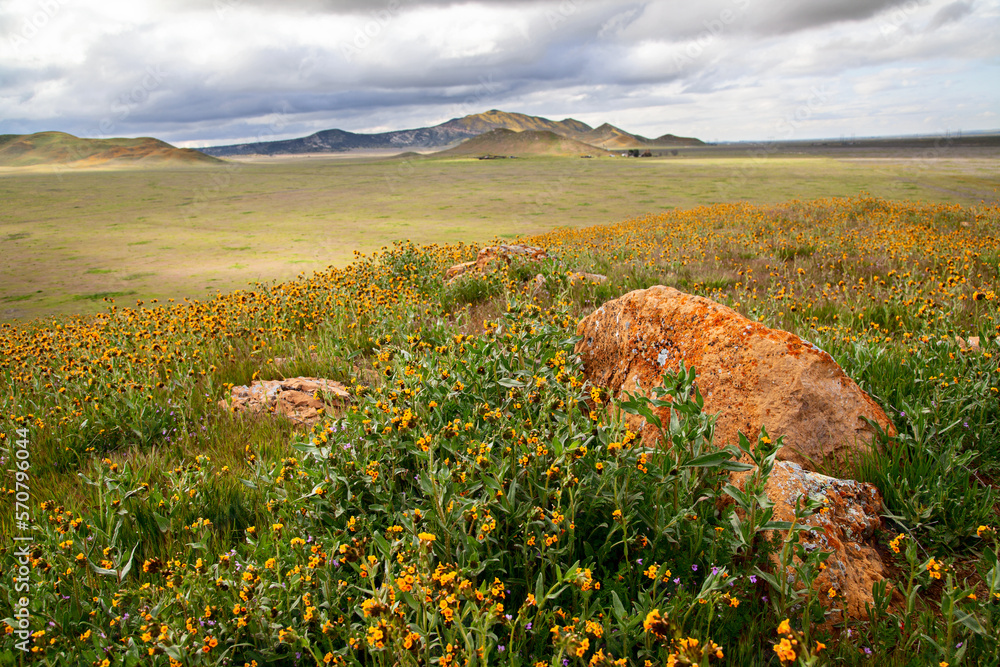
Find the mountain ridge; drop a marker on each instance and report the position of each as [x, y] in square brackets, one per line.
[442, 136]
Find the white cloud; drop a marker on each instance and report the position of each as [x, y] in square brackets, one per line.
[195, 72]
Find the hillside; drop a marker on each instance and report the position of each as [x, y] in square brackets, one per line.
[529, 142]
[519, 122]
[612, 138]
[444, 136]
[60, 148]
[674, 140]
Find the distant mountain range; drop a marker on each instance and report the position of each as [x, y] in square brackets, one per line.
[60, 148]
[450, 135]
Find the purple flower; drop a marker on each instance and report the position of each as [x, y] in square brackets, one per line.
[677, 580]
[508, 616]
[528, 626]
[868, 651]
[694, 568]
[639, 561]
[501, 648]
[565, 662]
[715, 570]
[753, 578]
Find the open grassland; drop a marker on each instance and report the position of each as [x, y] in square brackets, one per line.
[480, 502]
[71, 238]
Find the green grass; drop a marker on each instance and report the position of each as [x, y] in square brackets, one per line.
[473, 423]
[317, 212]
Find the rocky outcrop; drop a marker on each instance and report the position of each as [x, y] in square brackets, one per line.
[751, 375]
[300, 399]
[845, 529]
[491, 255]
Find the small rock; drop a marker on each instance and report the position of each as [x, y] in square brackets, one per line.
[300, 399]
[968, 345]
[581, 277]
[490, 255]
[848, 525]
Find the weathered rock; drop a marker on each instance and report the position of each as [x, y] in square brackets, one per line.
[848, 524]
[300, 399]
[751, 375]
[578, 278]
[968, 345]
[492, 254]
[583, 277]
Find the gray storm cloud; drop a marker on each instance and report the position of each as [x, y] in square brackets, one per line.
[224, 70]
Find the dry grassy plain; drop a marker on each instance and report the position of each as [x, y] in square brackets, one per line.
[71, 237]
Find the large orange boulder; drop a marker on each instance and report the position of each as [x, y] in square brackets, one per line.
[750, 375]
[844, 527]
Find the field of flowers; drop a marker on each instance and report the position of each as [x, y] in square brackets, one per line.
[480, 502]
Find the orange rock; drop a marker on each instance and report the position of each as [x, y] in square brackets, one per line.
[852, 516]
[751, 375]
[300, 399]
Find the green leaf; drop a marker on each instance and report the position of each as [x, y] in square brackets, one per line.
[382, 544]
[618, 607]
[736, 494]
[712, 460]
[128, 565]
[780, 525]
[103, 571]
[969, 621]
[162, 522]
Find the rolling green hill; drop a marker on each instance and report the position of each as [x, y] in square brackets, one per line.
[528, 142]
[60, 148]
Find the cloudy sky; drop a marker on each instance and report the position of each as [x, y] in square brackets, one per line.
[203, 72]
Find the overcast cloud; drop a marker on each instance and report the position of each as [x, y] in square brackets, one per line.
[200, 72]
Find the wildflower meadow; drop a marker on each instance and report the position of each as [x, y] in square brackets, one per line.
[479, 501]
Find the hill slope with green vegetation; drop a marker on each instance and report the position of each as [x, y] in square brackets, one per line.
[480, 502]
[61, 149]
[505, 142]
